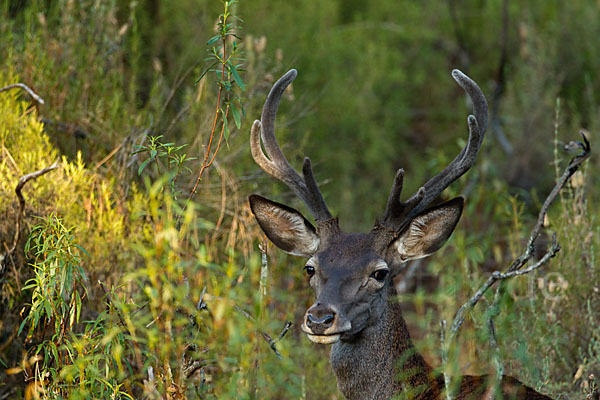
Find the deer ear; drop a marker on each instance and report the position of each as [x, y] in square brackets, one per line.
[286, 227]
[429, 230]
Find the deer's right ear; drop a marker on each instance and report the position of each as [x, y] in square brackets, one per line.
[428, 231]
[286, 227]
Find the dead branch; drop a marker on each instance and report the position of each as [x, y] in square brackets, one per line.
[445, 359]
[33, 94]
[22, 181]
[270, 341]
[515, 267]
[518, 263]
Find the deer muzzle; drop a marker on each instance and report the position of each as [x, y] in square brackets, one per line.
[323, 324]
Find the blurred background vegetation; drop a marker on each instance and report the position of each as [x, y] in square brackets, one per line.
[119, 288]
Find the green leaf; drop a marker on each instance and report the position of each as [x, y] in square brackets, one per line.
[78, 305]
[237, 118]
[141, 168]
[236, 77]
[205, 72]
[22, 326]
[153, 153]
[82, 250]
[225, 127]
[72, 313]
[47, 308]
[54, 351]
[29, 286]
[213, 40]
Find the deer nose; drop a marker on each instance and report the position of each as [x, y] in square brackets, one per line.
[324, 320]
[320, 318]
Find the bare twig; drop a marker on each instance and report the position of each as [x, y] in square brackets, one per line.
[109, 155]
[493, 311]
[518, 263]
[445, 359]
[496, 276]
[569, 171]
[33, 94]
[515, 267]
[22, 181]
[270, 341]
[206, 163]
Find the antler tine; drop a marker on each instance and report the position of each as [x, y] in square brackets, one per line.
[274, 162]
[398, 213]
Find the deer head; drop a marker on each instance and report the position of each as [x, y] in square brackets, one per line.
[352, 272]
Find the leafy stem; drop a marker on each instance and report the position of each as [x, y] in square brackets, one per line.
[228, 80]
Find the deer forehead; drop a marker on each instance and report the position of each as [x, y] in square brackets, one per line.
[349, 252]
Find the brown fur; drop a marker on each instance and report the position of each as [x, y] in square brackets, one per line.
[364, 368]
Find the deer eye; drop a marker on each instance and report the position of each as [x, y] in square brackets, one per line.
[310, 270]
[380, 275]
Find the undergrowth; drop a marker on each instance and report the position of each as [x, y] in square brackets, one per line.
[127, 286]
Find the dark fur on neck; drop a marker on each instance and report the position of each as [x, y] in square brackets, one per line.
[366, 365]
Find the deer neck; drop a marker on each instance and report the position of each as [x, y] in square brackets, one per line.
[382, 361]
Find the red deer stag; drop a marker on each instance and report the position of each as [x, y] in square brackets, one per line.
[372, 354]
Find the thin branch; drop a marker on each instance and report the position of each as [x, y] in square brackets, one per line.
[493, 311]
[214, 127]
[270, 341]
[518, 263]
[513, 270]
[22, 181]
[33, 94]
[109, 156]
[445, 359]
[569, 171]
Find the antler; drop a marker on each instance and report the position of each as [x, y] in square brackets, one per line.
[398, 214]
[276, 164]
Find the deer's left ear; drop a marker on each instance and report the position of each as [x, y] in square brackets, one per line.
[429, 230]
[286, 227]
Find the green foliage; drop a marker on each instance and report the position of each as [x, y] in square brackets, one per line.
[228, 81]
[58, 278]
[178, 302]
[167, 153]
